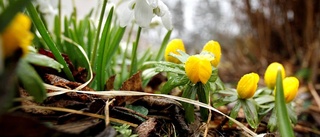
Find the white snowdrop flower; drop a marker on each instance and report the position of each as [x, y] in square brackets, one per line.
[142, 11]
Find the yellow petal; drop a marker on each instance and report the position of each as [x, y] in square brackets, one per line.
[214, 48]
[17, 35]
[198, 68]
[270, 75]
[247, 85]
[172, 47]
[290, 87]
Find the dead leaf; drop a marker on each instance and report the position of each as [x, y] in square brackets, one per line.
[134, 83]
[110, 82]
[145, 129]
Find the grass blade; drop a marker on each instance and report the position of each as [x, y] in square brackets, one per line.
[94, 50]
[134, 67]
[103, 53]
[281, 110]
[163, 46]
[46, 37]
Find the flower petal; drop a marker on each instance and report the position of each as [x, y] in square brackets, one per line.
[247, 85]
[270, 75]
[214, 48]
[143, 13]
[198, 69]
[290, 88]
[125, 13]
[172, 47]
[153, 3]
[17, 35]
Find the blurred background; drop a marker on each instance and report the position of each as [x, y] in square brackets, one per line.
[252, 33]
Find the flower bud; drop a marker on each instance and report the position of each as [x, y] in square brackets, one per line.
[290, 88]
[247, 85]
[172, 47]
[198, 68]
[214, 48]
[17, 35]
[270, 75]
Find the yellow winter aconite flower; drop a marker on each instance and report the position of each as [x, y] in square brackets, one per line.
[172, 47]
[270, 75]
[247, 85]
[290, 88]
[17, 35]
[214, 48]
[198, 68]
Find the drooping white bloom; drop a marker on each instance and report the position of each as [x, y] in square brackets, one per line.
[142, 11]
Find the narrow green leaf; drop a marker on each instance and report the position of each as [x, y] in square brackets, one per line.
[99, 65]
[96, 41]
[182, 57]
[164, 43]
[281, 110]
[234, 111]
[111, 50]
[203, 95]
[46, 37]
[31, 81]
[272, 123]
[174, 82]
[250, 112]
[43, 60]
[264, 99]
[133, 66]
[292, 115]
[190, 93]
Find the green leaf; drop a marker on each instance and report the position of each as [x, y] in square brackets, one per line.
[234, 111]
[42, 60]
[203, 95]
[264, 99]
[102, 49]
[219, 83]
[31, 81]
[182, 57]
[190, 93]
[140, 109]
[272, 123]
[164, 43]
[46, 37]
[174, 82]
[250, 112]
[281, 110]
[96, 41]
[264, 109]
[133, 66]
[292, 114]
[230, 98]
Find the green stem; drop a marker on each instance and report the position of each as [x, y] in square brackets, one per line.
[134, 54]
[281, 110]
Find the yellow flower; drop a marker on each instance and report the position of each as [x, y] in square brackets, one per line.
[172, 47]
[270, 75]
[247, 85]
[214, 48]
[290, 88]
[17, 35]
[198, 68]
